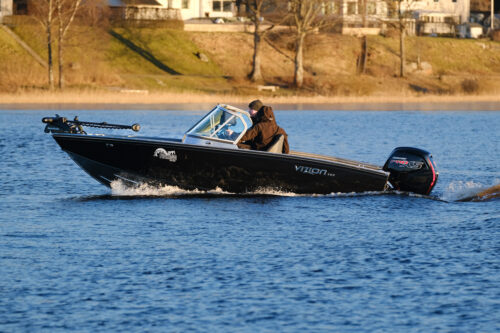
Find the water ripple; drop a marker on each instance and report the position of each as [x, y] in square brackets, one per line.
[77, 256]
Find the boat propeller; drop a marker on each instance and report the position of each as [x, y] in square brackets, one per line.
[60, 124]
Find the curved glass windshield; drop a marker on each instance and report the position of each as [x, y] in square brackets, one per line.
[222, 124]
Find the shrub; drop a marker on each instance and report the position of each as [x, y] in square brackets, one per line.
[470, 86]
[496, 35]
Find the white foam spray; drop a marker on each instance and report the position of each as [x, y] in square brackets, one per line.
[121, 188]
[455, 191]
[458, 190]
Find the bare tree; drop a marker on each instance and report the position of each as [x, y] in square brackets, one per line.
[402, 35]
[404, 18]
[256, 10]
[363, 12]
[94, 13]
[308, 17]
[43, 12]
[66, 12]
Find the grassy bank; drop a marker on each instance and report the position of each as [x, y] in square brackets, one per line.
[163, 62]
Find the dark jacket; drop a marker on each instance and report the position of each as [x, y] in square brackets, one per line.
[260, 135]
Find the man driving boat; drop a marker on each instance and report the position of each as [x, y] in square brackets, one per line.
[261, 134]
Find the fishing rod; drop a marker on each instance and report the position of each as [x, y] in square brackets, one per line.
[60, 124]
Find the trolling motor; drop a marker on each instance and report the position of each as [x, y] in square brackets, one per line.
[60, 124]
[412, 170]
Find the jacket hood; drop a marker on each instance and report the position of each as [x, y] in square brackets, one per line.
[266, 114]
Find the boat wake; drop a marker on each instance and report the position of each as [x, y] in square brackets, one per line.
[123, 189]
[471, 191]
[456, 191]
[120, 188]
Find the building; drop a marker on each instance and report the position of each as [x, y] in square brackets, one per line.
[6, 8]
[13, 7]
[204, 8]
[372, 12]
[484, 6]
[437, 23]
[444, 11]
[358, 17]
[172, 9]
[142, 10]
[363, 17]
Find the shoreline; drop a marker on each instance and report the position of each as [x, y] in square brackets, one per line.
[192, 101]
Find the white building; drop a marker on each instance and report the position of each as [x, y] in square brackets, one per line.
[439, 8]
[431, 16]
[353, 11]
[357, 17]
[201, 8]
[5, 8]
[188, 9]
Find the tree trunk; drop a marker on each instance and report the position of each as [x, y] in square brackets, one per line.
[364, 13]
[364, 58]
[65, 21]
[49, 47]
[419, 60]
[60, 56]
[49, 59]
[299, 56]
[256, 74]
[401, 41]
[402, 50]
[492, 16]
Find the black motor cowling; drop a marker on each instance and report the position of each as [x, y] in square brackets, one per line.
[411, 170]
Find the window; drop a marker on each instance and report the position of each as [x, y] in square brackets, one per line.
[371, 8]
[228, 6]
[185, 4]
[217, 124]
[218, 6]
[351, 8]
[20, 7]
[331, 8]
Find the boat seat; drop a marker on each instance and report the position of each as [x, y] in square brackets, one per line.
[276, 145]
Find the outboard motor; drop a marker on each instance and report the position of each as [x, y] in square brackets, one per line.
[412, 170]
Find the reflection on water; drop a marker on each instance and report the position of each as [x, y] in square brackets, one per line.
[75, 255]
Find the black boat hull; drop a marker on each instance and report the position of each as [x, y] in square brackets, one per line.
[171, 162]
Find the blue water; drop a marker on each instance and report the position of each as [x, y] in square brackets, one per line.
[76, 256]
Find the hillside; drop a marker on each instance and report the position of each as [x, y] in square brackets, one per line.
[165, 60]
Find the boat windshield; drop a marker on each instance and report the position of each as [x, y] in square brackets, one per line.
[222, 123]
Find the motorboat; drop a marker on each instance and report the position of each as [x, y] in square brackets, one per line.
[207, 157]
